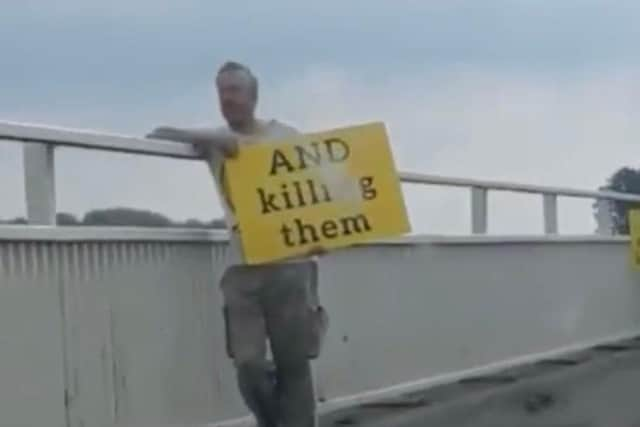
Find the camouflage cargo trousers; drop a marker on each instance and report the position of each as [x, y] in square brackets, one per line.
[278, 303]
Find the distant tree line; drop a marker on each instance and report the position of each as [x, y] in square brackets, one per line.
[119, 216]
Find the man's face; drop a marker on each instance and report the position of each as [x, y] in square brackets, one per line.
[236, 97]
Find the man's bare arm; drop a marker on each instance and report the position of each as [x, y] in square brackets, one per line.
[205, 140]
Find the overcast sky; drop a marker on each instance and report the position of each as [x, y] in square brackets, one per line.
[541, 92]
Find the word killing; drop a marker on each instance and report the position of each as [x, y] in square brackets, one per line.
[298, 194]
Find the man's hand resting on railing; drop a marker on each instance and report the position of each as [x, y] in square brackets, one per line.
[205, 141]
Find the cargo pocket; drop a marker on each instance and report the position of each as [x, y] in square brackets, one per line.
[318, 325]
[227, 331]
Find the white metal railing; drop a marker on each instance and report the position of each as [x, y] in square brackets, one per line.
[39, 170]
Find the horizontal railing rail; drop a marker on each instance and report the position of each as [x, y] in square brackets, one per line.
[39, 164]
[419, 178]
[54, 136]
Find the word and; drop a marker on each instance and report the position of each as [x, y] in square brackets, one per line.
[334, 150]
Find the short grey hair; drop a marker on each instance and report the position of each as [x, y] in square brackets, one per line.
[236, 66]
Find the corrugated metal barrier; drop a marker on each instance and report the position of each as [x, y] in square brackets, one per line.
[100, 332]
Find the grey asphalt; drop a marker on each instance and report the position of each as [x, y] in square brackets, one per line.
[599, 387]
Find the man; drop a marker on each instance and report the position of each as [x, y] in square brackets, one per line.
[277, 301]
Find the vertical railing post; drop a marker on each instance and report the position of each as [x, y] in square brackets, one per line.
[39, 183]
[603, 217]
[479, 210]
[550, 210]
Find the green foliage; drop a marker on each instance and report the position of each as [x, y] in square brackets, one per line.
[125, 217]
[625, 180]
[63, 218]
[15, 221]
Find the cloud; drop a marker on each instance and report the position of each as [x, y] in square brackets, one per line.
[538, 128]
[82, 49]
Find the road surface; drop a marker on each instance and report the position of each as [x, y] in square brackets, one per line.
[599, 387]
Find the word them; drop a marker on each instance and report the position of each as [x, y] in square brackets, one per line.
[329, 229]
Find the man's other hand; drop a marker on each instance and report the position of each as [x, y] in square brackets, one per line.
[230, 148]
[317, 251]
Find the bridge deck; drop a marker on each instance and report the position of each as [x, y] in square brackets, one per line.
[597, 387]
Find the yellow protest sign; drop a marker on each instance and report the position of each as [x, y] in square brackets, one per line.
[634, 231]
[330, 189]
